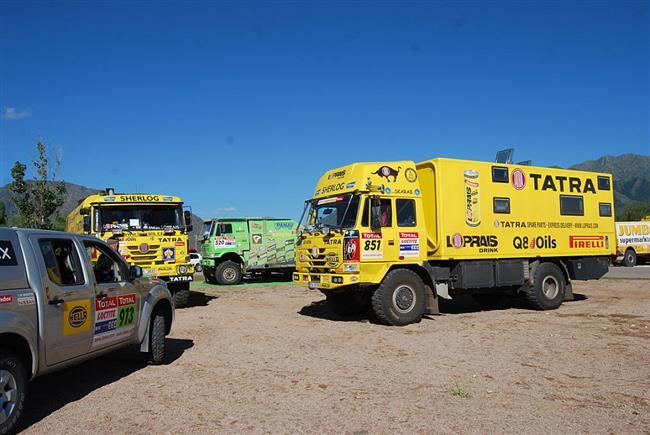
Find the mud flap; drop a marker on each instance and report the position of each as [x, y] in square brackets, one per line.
[144, 346]
[568, 291]
[431, 306]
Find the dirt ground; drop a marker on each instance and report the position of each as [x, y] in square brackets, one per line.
[274, 359]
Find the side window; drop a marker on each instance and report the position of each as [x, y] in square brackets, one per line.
[605, 209]
[224, 229]
[499, 174]
[572, 205]
[501, 205]
[105, 263]
[603, 183]
[61, 262]
[405, 212]
[386, 213]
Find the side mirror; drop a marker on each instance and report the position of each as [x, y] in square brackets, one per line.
[135, 272]
[188, 217]
[84, 211]
[375, 213]
[189, 228]
[86, 223]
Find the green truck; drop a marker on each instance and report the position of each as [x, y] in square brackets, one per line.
[236, 246]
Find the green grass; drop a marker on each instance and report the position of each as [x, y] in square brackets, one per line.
[461, 392]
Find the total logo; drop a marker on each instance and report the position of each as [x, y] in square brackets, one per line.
[540, 242]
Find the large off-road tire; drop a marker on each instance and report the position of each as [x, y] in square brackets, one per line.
[629, 258]
[400, 298]
[157, 339]
[208, 275]
[181, 295]
[228, 273]
[348, 303]
[13, 390]
[547, 292]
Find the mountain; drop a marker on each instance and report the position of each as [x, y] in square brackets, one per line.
[631, 176]
[76, 193]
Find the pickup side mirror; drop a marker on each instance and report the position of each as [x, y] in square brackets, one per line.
[375, 213]
[86, 223]
[135, 272]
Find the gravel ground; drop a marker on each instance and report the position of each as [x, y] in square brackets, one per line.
[272, 358]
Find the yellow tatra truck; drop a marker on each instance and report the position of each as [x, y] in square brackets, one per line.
[396, 236]
[152, 231]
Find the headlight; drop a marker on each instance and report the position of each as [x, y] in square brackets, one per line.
[182, 269]
[303, 257]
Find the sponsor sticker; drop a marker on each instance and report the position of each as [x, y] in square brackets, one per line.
[586, 242]
[7, 254]
[6, 299]
[26, 299]
[169, 253]
[76, 317]
[351, 249]
[115, 317]
[409, 244]
[371, 246]
[224, 242]
[518, 179]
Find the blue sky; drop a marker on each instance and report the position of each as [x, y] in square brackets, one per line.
[242, 105]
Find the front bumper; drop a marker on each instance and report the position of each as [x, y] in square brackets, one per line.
[324, 281]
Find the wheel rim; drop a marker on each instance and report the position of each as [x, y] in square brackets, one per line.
[404, 299]
[8, 395]
[550, 287]
[229, 274]
[630, 258]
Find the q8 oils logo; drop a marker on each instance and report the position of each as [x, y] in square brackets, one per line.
[75, 317]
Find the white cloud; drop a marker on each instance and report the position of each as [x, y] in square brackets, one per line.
[11, 114]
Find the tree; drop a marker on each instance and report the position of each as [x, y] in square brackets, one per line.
[3, 214]
[634, 211]
[37, 200]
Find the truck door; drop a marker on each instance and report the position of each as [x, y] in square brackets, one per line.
[381, 243]
[69, 300]
[117, 301]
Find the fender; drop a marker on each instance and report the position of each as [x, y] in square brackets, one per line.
[156, 294]
[17, 324]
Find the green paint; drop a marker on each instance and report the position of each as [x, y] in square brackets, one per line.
[260, 244]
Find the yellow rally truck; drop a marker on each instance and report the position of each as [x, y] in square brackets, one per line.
[633, 242]
[396, 236]
[152, 231]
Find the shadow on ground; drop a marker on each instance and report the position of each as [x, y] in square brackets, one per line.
[198, 299]
[459, 305]
[51, 392]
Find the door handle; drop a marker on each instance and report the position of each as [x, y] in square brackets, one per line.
[391, 242]
[101, 295]
[56, 301]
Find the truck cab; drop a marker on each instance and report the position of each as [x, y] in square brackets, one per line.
[66, 298]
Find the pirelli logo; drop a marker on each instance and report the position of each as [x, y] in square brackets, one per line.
[586, 241]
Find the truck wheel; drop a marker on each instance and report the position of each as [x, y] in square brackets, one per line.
[13, 390]
[208, 275]
[547, 293]
[228, 273]
[347, 303]
[182, 296]
[399, 299]
[629, 259]
[157, 339]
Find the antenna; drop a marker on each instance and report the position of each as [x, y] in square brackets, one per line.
[505, 156]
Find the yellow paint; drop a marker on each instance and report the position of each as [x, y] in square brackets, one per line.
[456, 216]
[76, 317]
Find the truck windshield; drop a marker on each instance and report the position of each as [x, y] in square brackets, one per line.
[333, 212]
[140, 217]
[207, 225]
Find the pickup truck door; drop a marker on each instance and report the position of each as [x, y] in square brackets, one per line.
[117, 301]
[68, 305]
